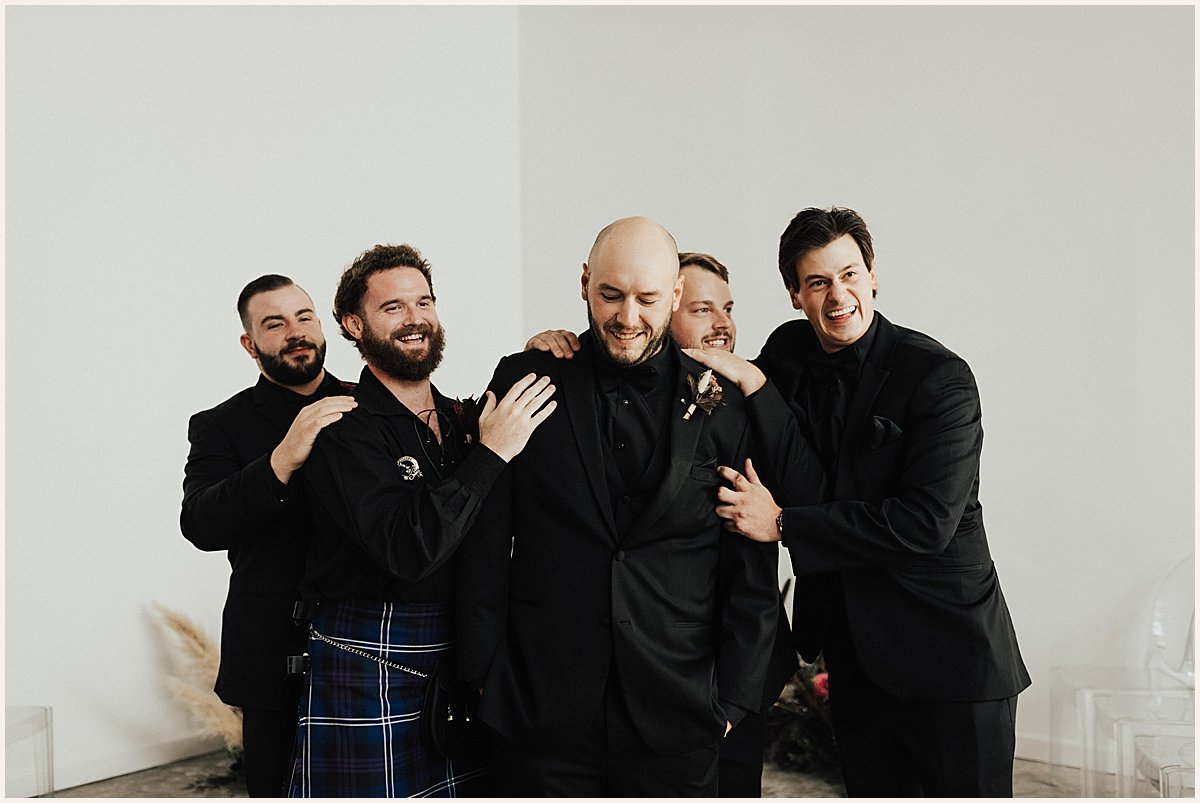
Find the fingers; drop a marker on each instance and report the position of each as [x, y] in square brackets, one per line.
[560, 342]
[528, 391]
[489, 405]
[731, 476]
[702, 356]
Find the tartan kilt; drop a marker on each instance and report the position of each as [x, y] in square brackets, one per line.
[359, 732]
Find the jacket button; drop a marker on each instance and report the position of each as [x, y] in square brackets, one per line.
[620, 555]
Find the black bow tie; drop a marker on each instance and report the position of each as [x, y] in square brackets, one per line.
[640, 377]
[843, 364]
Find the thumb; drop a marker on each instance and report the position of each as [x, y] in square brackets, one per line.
[489, 405]
[751, 474]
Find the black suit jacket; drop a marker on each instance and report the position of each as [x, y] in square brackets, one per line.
[233, 501]
[685, 611]
[903, 527]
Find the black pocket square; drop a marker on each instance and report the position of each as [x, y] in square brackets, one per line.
[884, 431]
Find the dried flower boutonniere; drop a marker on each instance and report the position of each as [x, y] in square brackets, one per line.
[466, 416]
[706, 393]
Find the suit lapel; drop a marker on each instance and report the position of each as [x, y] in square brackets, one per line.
[579, 397]
[683, 438]
[875, 372]
[272, 404]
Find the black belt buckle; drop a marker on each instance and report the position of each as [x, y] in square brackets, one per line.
[297, 664]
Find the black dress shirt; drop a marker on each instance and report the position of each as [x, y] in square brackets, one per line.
[832, 378]
[634, 404]
[392, 505]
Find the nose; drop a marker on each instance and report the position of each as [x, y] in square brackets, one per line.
[722, 320]
[837, 293]
[627, 315]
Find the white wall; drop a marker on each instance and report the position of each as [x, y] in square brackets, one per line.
[1028, 176]
[1027, 173]
[157, 160]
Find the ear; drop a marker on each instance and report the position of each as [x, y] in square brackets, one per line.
[874, 283]
[248, 345]
[583, 281]
[353, 324]
[677, 294]
[795, 296]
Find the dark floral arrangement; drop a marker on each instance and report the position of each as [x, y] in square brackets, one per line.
[799, 728]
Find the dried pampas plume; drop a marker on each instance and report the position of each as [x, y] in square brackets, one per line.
[215, 717]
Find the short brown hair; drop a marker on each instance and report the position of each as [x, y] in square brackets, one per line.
[353, 284]
[706, 261]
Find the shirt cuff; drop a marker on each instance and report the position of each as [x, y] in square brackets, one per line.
[733, 712]
[480, 470]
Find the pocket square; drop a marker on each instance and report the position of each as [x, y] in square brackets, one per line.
[884, 431]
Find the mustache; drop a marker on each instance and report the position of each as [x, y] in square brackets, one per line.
[413, 329]
[297, 345]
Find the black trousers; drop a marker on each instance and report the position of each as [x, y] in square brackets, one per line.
[741, 764]
[608, 760]
[267, 741]
[891, 747]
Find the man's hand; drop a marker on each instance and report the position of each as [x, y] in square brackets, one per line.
[559, 342]
[728, 727]
[296, 446]
[748, 508]
[505, 427]
[746, 375]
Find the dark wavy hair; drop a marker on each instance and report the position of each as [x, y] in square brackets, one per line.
[815, 228]
[353, 284]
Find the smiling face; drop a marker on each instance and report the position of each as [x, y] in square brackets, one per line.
[631, 285]
[705, 316]
[836, 292]
[397, 327]
[285, 337]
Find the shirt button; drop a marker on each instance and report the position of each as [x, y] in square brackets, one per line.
[620, 446]
[620, 556]
[624, 401]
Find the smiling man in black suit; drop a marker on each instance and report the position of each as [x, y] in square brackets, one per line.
[895, 583]
[239, 495]
[627, 632]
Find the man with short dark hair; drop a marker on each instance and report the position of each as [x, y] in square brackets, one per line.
[895, 583]
[240, 495]
[395, 485]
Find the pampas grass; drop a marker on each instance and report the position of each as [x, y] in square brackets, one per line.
[195, 690]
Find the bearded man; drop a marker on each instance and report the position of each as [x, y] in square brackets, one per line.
[617, 631]
[396, 483]
[239, 496]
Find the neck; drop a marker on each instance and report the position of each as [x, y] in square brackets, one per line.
[307, 389]
[416, 395]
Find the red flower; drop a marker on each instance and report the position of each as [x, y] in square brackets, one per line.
[820, 683]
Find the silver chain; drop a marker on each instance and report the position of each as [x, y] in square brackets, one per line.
[363, 653]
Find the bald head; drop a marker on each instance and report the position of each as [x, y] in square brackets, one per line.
[631, 285]
[629, 233]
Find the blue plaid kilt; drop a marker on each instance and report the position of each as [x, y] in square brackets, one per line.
[359, 732]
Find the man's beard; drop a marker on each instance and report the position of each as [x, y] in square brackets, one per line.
[291, 374]
[653, 343]
[388, 356]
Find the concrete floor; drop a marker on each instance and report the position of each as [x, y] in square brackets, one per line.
[210, 776]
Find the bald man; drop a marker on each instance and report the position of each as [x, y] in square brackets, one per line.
[618, 632]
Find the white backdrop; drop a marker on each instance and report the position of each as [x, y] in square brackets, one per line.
[1027, 172]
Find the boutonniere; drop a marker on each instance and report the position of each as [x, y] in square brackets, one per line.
[706, 393]
[466, 416]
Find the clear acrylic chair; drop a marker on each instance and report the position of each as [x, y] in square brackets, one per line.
[1094, 699]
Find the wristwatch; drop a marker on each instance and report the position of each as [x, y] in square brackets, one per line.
[779, 524]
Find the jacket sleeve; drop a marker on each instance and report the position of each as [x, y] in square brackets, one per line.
[783, 458]
[483, 572]
[748, 582]
[919, 510]
[409, 529]
[224, 501]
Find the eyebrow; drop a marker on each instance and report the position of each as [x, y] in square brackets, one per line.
[423, 297]
[299, 312]
[609, 287]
